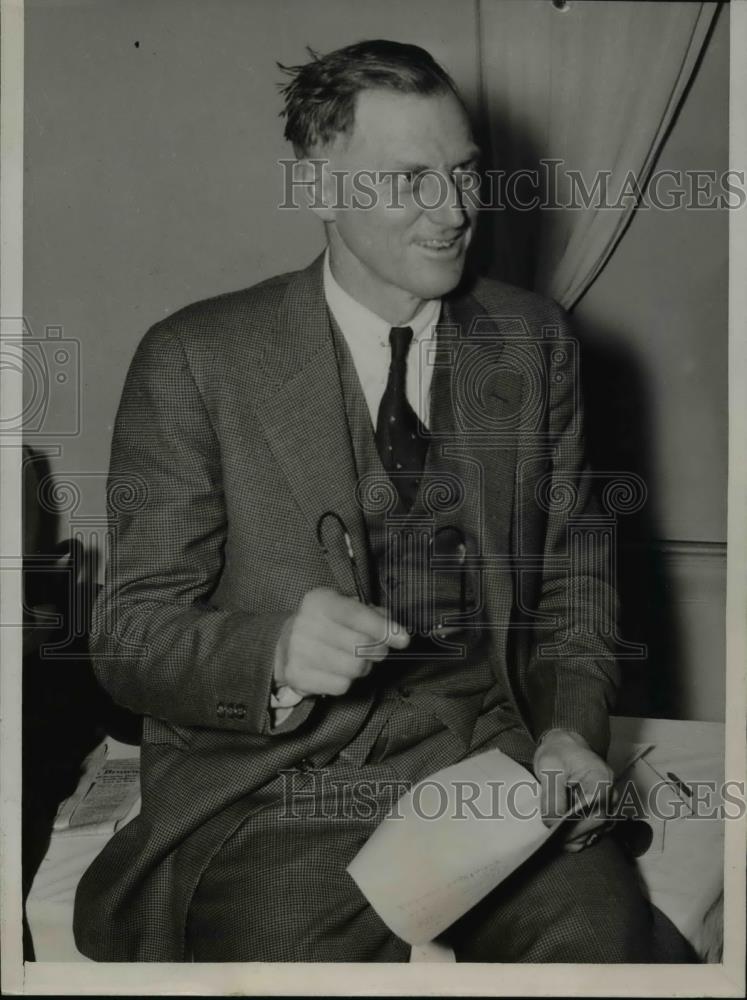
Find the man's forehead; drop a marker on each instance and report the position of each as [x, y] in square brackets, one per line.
[398, 130]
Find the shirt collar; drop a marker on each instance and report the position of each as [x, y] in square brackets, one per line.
[356, 320]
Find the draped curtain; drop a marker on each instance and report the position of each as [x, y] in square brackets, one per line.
[595, 85]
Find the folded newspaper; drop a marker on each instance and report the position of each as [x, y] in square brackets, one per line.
[450, 841]
[106, 795]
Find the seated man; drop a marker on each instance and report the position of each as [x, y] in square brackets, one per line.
[340, 506]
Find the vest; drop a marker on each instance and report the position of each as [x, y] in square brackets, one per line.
[414, 560]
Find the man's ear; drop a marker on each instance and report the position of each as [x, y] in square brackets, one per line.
[315, 173]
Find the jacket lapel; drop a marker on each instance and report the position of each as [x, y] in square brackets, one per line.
[303, 417]
[476, 404]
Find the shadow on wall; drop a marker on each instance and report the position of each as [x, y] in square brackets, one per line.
[618, 427]
[507, 245]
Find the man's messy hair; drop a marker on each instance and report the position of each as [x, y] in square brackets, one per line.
[321, 94]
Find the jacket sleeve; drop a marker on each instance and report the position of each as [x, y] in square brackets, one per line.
[160, 647]
[572, 676]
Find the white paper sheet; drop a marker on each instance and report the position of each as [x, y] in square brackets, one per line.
[448, 842]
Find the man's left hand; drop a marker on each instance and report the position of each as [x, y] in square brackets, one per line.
[572, 775]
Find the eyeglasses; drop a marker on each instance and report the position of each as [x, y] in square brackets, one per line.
[348, 546]
[447, 549]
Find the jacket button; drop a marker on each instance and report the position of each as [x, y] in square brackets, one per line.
[221, 709]
[405, 692]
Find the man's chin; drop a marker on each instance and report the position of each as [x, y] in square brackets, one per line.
[438, 280]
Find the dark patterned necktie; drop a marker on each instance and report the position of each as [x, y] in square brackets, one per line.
[401, 437]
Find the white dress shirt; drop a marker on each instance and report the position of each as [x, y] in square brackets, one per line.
[367, 337]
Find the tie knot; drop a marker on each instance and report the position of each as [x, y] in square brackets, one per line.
[400, 338]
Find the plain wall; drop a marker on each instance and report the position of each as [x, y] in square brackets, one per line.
[661, 301]
[151, 147]
[655, 331]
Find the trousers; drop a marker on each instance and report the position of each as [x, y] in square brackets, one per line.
[277, 889]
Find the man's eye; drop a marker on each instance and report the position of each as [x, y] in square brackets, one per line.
[463, 174]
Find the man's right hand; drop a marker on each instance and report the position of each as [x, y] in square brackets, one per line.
[316, 653]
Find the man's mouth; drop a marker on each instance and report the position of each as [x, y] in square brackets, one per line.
[442, 246]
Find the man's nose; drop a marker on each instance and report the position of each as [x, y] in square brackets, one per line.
[442, 198]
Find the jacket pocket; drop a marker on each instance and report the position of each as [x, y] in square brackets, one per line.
[158, 731]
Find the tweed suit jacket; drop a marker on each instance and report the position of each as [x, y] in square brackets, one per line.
[229, 443]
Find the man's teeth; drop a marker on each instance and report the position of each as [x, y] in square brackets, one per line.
[438, 244]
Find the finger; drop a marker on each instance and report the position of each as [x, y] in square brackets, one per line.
[343, 664]
[585, 834]
[375, 626]
[573, 847]
[592, 791]
[553, 793]
[315, 656]
[581, 829]
[322, 683]
[357, 644]
[312, 645]
[375, 651]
